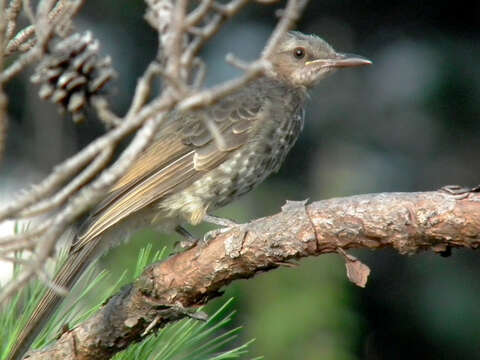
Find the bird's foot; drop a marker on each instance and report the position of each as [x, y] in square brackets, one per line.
[212, 234]
[226, 224]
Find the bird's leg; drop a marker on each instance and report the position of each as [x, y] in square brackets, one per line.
[185, 233]
[188, 242]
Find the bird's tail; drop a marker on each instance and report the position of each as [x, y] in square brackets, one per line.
[76, 263]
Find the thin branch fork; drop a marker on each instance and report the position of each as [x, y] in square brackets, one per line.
[407, 222]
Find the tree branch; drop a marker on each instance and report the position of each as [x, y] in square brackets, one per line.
[407, 222]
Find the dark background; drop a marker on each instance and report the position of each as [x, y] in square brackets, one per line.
[407, 123]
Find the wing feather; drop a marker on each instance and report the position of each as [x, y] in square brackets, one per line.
[174, 162]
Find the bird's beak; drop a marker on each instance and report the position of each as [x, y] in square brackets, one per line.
[341, 61]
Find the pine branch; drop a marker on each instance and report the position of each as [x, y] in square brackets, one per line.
[166, 291]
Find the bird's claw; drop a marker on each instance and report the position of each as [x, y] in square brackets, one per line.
[226, 224]
[212, 234]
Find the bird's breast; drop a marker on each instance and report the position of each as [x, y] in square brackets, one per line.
[244, 169]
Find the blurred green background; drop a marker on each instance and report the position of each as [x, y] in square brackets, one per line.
[410, 122]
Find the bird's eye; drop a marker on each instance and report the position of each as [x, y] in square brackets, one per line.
[299, 53]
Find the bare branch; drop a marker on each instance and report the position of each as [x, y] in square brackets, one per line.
[204, 33]
[199, 13]
[290, 16]
[106, 115]
[236, 62]
[20, 64]
[199, 71]
[144, 86]
[27, 6]
[11, 15]
[406, 222]
[3, 96]
[58, 176]
[209, 96]
[176, 42]
[62, 196]
[23, 241]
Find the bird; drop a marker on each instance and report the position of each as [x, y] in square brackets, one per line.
[201, 160]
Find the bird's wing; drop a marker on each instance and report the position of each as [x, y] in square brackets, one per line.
[185, 149]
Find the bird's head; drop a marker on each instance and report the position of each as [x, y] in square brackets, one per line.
[302, 60]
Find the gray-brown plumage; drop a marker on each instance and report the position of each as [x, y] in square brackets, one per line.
[202, 160]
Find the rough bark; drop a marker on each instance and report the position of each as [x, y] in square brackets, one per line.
[166, 291]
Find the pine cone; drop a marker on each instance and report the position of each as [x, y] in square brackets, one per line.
[72, 73]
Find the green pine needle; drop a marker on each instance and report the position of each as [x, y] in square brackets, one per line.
[187, 339]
